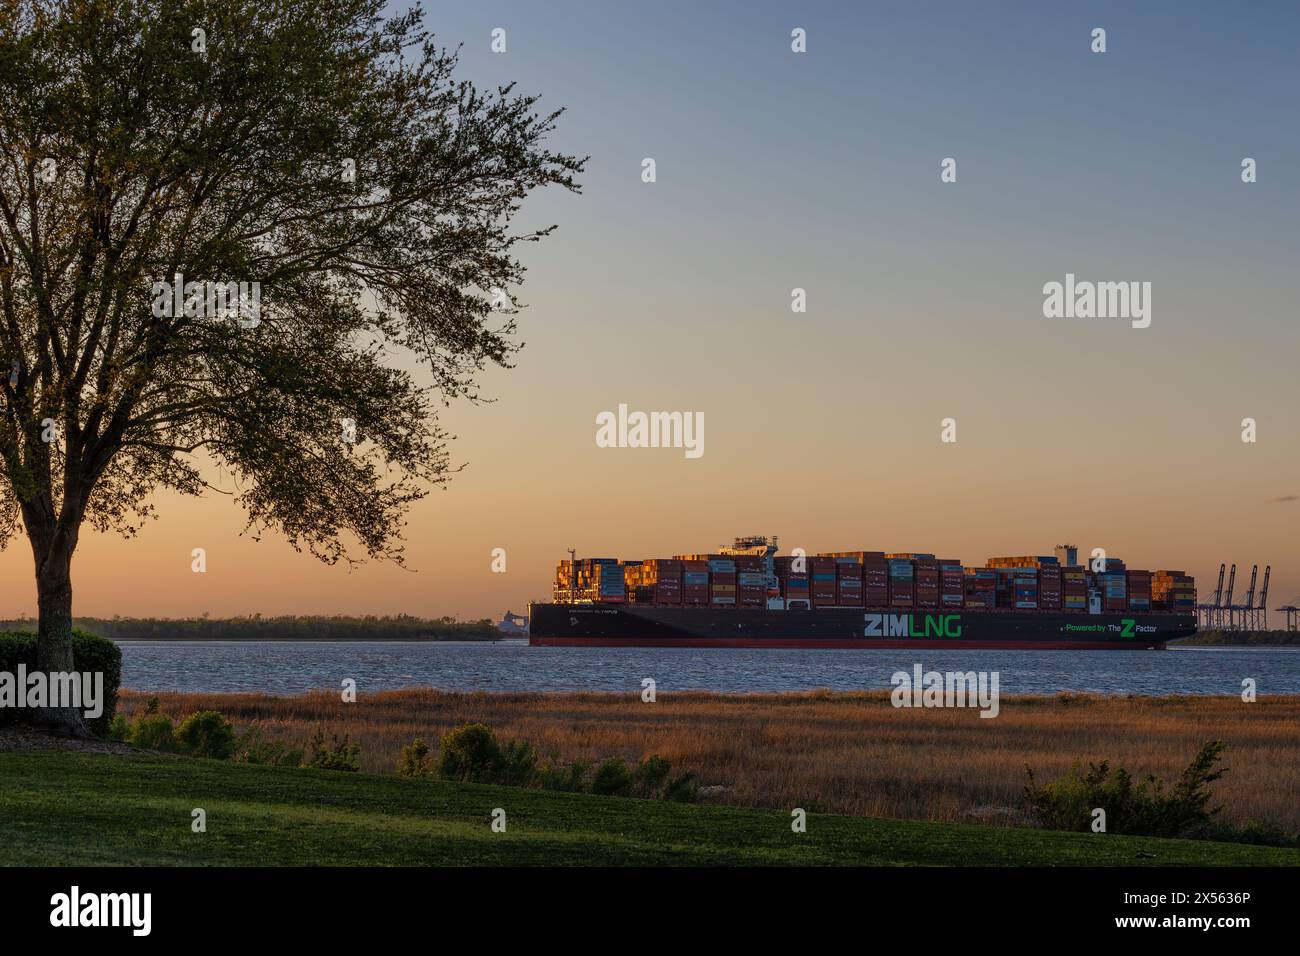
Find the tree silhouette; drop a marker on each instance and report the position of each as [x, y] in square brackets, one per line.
[318, 152]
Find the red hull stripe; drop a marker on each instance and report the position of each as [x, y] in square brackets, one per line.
[863, 644]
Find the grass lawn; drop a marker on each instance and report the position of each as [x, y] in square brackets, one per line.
[68, 808]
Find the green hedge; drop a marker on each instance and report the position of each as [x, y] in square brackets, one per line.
[89, 653]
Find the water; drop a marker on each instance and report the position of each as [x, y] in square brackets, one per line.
[294, 667]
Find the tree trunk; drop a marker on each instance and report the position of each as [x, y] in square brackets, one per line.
[54, 630]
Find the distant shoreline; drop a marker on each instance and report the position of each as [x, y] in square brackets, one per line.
[317, 640]
[1240, 639]
[286, 628]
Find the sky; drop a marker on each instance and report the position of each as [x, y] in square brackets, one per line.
[820, 170]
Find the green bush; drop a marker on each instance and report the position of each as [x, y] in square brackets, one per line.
[1144, 808]
[650, 775]
[569, 779]
[612, 779]
[472, 753]
[120, 728]
[518, 764]
[336, 755]
[415, 760]
[206, 734]
[469, 753]
[251, 748]
[683, 789]
[89, 653]
[154, 732]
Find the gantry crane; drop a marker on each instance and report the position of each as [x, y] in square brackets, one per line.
[1208, 614]
[1292, 610]
[1261, 609]
[1221, 614]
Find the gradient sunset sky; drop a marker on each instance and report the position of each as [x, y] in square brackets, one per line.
[821, 170]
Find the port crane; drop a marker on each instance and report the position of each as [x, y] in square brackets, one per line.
[1261, 610]
[1221, 614]
[1225, 609]
[1208, 617]
[1241, 613]
[1292, 611]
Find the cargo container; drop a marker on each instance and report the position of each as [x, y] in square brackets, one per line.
[861, 598]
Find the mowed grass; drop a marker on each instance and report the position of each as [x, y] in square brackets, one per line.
[59, 808]
[849, 753]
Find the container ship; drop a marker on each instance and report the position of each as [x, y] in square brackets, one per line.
[748, 596]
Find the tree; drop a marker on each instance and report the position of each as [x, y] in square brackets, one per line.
[335, 209]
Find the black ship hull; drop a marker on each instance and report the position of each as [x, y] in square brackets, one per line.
[616, 625]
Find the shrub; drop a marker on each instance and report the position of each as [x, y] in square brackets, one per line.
[415, 760]
[206, 734]
[120, 728]
[336, 755]
[518, 764]
[1143, 808]
[251, 747]
[1259, 834]
[612, 778]
[683, 789]
[469, 753]
[154, 732]
[650, 776]
[553, 776]
[89, 653]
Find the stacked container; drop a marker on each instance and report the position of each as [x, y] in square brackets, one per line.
[695, 583]
[1174, 591]
[872, 579]
[564, 588]
[875, 579]
[980, 586]
[902, 582]
[824, 581]
[1074, 589]
[874, 573]
[722, 582]
[632, 581]
[609, 575]
[927, 582]
[1024, 589]
[751, 581]
[1139, 591]
[794, 584]
[1049, 587]
[1036, 562]
[1005, 592]
[1114, 590]
[951, 583]
[653, 582]
[590, 579]
[848, 584]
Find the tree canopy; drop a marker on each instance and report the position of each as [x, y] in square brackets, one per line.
[318, 155]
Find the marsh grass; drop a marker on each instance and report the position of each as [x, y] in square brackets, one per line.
[848, 753]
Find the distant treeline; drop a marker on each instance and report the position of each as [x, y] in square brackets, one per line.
[1242, 638]
[257, 628]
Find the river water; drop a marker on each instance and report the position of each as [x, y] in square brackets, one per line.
[294, 667]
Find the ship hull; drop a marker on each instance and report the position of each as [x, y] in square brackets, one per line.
[597, 625]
